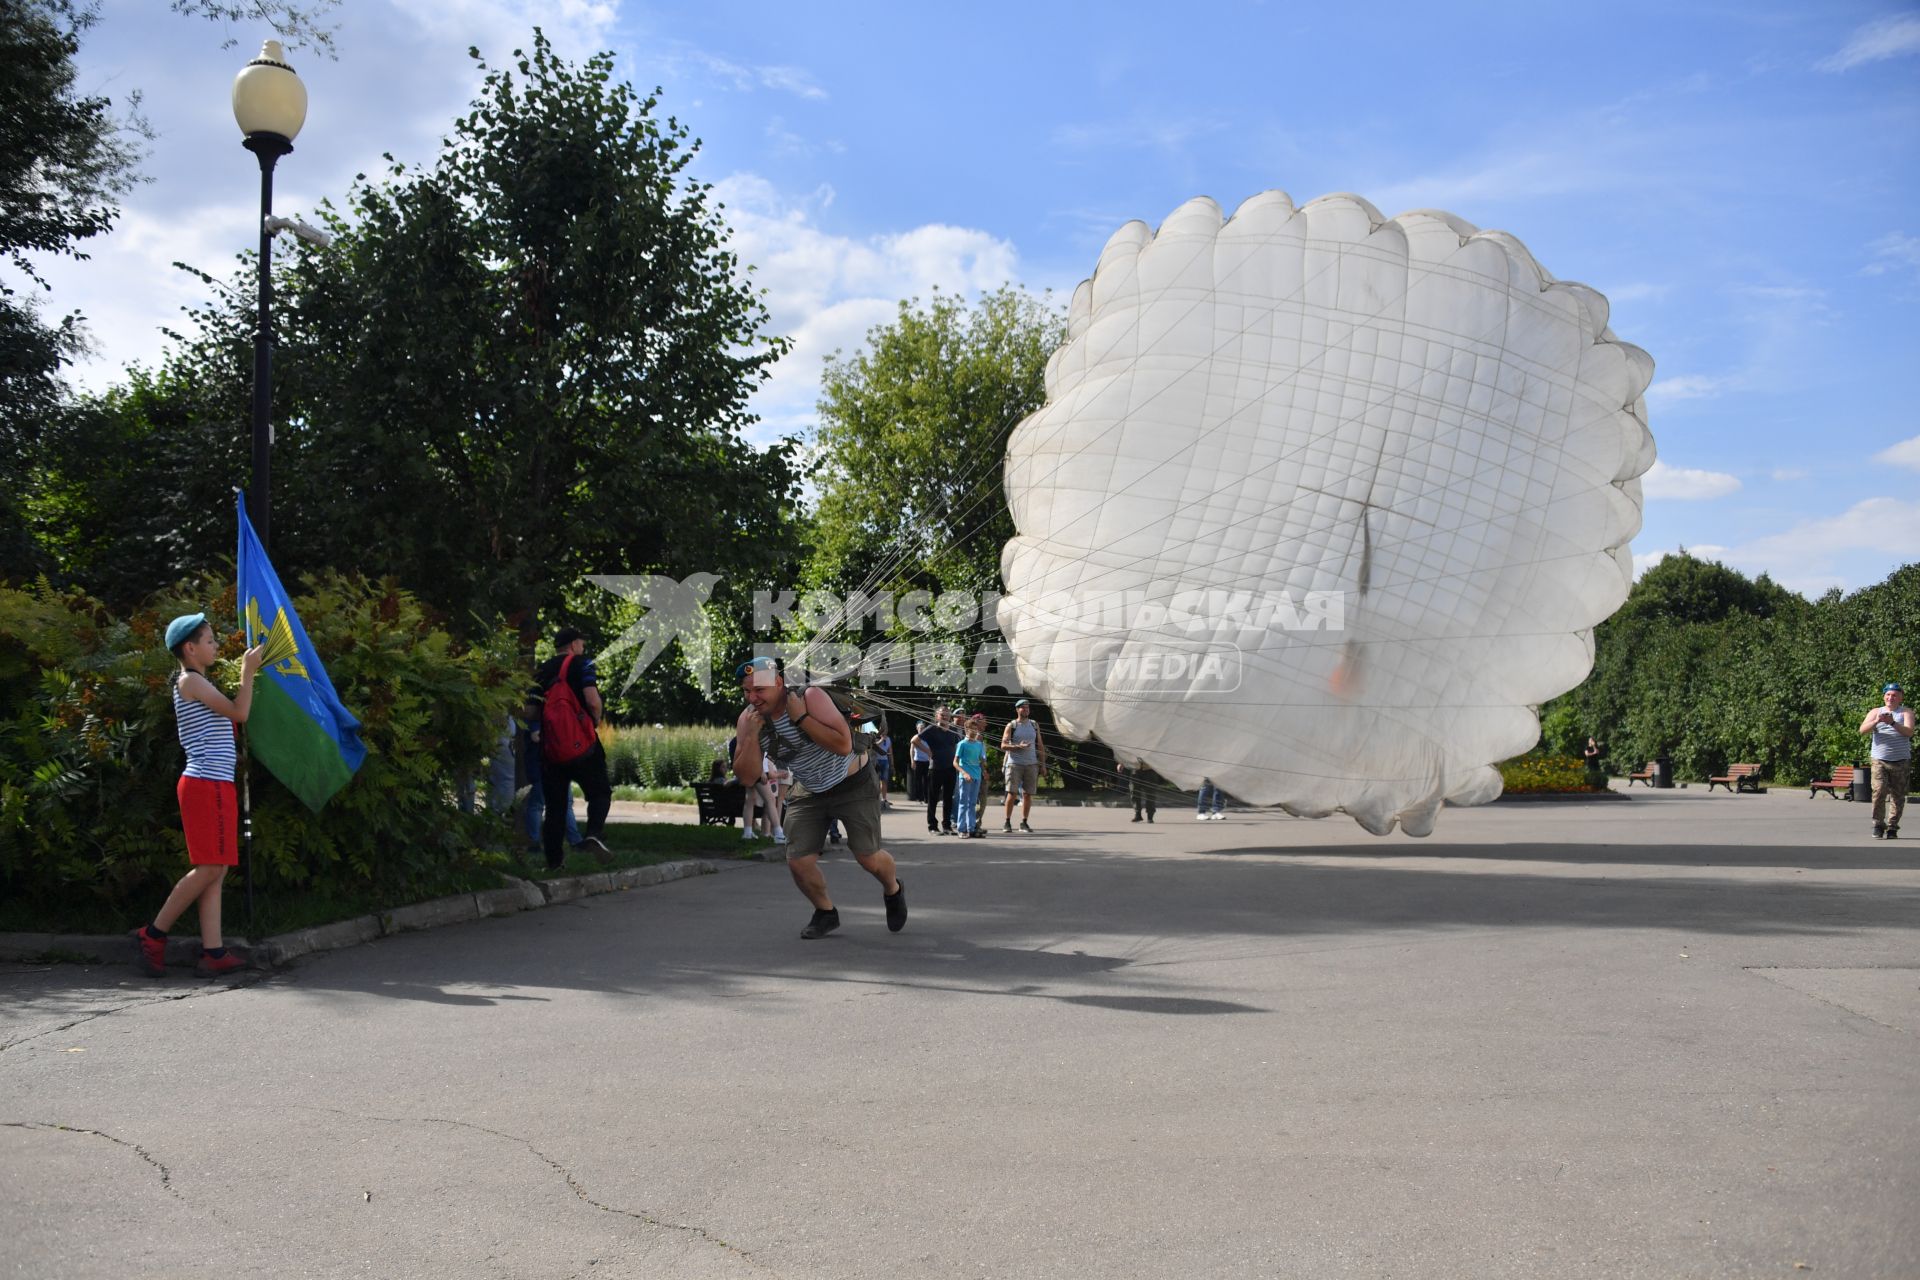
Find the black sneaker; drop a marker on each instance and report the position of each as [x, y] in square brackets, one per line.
[1893, 832]
[1879, 831]
[822, 924]
[1006, 826]
[1024, 826]
[896, 904]
[948, 831]
[598, 848]
[1138, 818]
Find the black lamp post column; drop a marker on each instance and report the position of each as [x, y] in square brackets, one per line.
[268, 147]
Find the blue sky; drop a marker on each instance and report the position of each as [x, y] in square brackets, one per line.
[1739, 179]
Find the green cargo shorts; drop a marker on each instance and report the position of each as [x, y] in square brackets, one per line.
[856, 802]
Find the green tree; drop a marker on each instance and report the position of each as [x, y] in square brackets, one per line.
[65, 160]
[1708, 667]
[912, 433]
[526, 363]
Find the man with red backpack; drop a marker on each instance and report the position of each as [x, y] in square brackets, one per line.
[564, 709]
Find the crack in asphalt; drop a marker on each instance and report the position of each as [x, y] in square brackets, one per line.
[573, 1184]
[166, 1175]
[210, 989]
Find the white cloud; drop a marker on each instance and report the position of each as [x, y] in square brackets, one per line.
[826, 291]
[1905, 454]
[1686, 484]
[1786, 475]
[1892, 252]
[1645, 560]
[1892, 37]
[1140, 132]
[1861, 544]
[1638, 291]
[1855, 548]
[743, 78]
[1691, 386]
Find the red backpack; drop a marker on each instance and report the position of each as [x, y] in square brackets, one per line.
[566, 730]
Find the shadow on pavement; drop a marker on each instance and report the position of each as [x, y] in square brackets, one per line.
[1078, 928]
[1081, 927]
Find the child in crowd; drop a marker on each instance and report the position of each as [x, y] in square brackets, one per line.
[970, 759]
[209, 802]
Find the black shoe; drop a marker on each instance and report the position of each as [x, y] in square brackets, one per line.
[822, 924]
[1024, 826]
[948, 831]
[1879, 831]
[1138, 818]
[1149, 818]
[598, 848]
[1893, 832]
[932, 830]
[896, 904]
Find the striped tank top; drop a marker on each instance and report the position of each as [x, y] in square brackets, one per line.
[207, 736]
[813, 766]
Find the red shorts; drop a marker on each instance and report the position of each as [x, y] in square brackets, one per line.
[210, 815]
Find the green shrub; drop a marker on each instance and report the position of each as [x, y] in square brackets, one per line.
[89, 754]
[1533, 774]
[658, 756]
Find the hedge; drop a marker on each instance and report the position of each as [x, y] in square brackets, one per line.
[89, 753]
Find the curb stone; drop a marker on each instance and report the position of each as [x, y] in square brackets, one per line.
[516, 895]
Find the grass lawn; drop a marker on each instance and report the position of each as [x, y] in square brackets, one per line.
[649, 795]
[640, 844]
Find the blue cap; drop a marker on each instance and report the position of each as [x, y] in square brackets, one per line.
[183, 627]
[1892, 688]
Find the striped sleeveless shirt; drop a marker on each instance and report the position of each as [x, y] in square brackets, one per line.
[813, 766]
[207, 736]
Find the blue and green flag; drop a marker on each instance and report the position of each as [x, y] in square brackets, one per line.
[297, 728]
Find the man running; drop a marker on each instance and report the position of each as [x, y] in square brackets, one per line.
[806, 734]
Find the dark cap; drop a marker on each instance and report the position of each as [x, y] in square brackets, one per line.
[565, 636]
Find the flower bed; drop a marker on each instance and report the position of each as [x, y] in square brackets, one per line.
[1541, 775]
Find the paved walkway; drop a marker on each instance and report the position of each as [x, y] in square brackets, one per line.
[1675, 1037]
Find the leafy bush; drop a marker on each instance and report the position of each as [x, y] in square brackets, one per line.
[658, 756]
[89, 753]
[1708, 668]
[1535, 774]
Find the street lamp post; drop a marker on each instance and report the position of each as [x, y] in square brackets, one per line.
[270, 105]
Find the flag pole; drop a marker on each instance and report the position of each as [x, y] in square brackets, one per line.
[246, 831]
[245, 769]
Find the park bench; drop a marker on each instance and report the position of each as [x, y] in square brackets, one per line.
[1645, 775]
[1738, 777]
[719, 802]
[1841, 781]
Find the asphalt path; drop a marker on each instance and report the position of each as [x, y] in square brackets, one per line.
[1668, 1038]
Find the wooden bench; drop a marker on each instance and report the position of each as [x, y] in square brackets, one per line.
[1842, 780]
[1738, 777]
[1645, 775]
[720, 803]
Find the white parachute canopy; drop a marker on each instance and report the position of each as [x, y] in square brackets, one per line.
[1323, 505]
